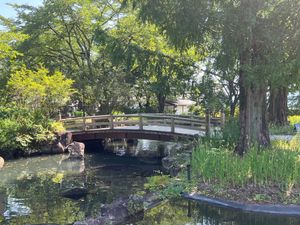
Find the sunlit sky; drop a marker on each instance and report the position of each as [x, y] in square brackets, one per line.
[7, 11]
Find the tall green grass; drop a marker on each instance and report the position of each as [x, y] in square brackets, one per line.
[279, 165]
[287, 129]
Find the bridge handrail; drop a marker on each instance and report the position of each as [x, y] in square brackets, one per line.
[143, 119]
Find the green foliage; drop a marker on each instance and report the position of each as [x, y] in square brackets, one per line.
[8, 42]
[280, 130]
[40, 90]
[57, 127]
[69, 36]
[277, 166]
[231, 131]
[117, 113]
[209, 93]
[228, 137]
[256, 40]
[294, 119]
[22, 131]
[197, 110]
[155, 68]
[166, 186]
[287, 129]
[157, 182]
[78, 113]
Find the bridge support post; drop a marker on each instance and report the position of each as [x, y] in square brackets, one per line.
[173, 125]
[188, 168]
[111, 121]
[207, 123]
[84, 124]
[141, 126]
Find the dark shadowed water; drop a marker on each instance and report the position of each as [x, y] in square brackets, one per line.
[30, 190]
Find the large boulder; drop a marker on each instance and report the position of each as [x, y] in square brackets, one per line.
[76, 150]
[123, 210]
[66, 139]
[57, 147]
[1, 162]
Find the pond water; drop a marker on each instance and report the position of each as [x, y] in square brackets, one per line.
[182, 212]
[30, 190]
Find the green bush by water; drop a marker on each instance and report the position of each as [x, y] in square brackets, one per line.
[166, 186]
[22, 130]
[279, 165]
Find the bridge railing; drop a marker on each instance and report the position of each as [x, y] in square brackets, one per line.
[169, 122]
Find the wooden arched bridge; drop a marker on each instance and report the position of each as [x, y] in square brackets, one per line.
[164, 127]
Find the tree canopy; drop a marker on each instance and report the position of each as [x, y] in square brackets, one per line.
[132, 56]
[257, 37]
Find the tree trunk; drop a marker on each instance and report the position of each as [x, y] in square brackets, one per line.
[233, 98]
[253, 121]
[232, 109]
[161, 102]
[278, 108]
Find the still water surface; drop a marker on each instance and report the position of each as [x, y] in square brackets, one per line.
[30, 191]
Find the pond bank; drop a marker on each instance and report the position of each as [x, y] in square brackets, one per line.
[282, 210]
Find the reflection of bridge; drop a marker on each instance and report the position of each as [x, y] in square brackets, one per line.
[140, 126]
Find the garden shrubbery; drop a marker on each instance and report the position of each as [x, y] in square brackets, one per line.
[22, 130]
[27, 111]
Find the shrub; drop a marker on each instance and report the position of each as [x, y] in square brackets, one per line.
[57, 127]
[78, 113]
[40, 89]
[22, 130]
[166, 186]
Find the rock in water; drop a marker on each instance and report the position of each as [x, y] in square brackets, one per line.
[74, 193]
[1, 162]
[57, 148]
[76, 150]
[66, 138]
[123, 209]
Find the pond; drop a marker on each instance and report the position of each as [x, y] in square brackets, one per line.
[183, 212]
[30, 189]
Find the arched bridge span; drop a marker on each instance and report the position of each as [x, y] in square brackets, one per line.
[163, 127]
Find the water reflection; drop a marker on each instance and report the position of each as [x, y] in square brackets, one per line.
[31, 189]
[16, 207]
[183, 212]
[141, 148]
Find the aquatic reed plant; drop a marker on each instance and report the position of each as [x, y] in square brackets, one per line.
[279, 165]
